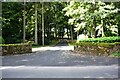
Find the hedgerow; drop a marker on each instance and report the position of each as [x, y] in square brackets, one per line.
[102, 39]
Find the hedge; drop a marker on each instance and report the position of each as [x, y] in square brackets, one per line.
[11, 49]
[102, 44]
[102, 39]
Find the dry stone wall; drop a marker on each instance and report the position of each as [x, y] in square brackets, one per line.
[97, 49]
[15, 49]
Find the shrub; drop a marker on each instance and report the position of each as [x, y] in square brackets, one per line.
[115, 54]
[102, 39]
[97, 44]
[2, 40]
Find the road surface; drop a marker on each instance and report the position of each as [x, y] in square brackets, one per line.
[58, 62]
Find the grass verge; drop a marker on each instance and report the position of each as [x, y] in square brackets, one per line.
[71, 43]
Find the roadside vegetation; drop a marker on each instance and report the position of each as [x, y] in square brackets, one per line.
[71, 43]
[45, 23]
[52, 43]
[101, 39]
[115, 54]
[98, 46]
[1, 40]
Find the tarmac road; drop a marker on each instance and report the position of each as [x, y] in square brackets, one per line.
[58, 62]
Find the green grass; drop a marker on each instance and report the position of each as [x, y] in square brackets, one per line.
[115, 54]
[71, 43]
[36, 46]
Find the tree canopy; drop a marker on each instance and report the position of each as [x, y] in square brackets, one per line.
[57, 19]
[93, 18]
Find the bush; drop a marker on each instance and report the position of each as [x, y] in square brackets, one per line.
[97, 44]
[2, 40]
[115, 54]
[102, 39]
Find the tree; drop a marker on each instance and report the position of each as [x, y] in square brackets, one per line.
[36, 30]
[12, 22]
[24, 35]
[90, 17]
[117, 16]
[43, 24]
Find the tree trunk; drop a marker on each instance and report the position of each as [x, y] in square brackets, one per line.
[48, 33]
[71, 33]
[1, 24]
[36, 29]
[24, 35]
[103, 24]
[77, 35]
[119, 29]
[67, 33]
[94, 21]
[55, 31]
[40, 30]
[94, 28]
[118, 19]
[62, 32]
[43, 24]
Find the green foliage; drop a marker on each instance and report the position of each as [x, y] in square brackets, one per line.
[115, 54]
[86, 44]
[19, 44]
[52, 43]
[71, 43]
[91, 44]
[2, 40]
[11, 21]
[108, 45]
[35, 46]
[54, 21]
[117, 16]
[95, 18]
[77, 14]
[102, 39]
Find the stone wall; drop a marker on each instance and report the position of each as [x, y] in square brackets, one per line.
[97, 49]
[16, 49]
